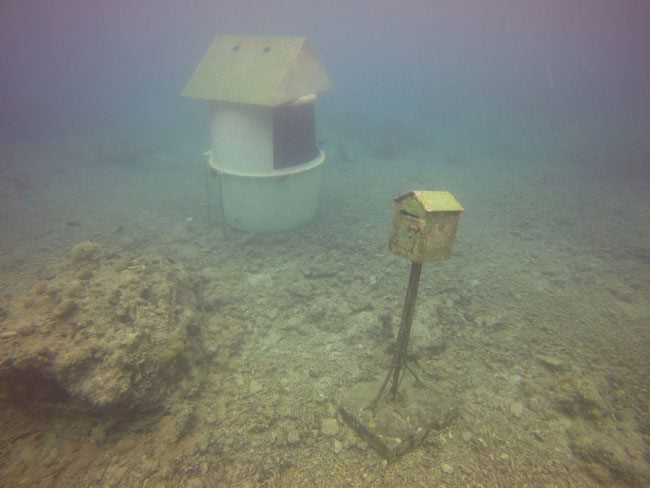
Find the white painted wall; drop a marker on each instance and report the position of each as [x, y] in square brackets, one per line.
[242, 138]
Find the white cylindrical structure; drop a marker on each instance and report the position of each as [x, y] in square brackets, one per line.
[258, 194]
[270, 203]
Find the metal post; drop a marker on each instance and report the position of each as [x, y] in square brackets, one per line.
[224, 223]
[399, 359]
[399, 362]
[208, 193]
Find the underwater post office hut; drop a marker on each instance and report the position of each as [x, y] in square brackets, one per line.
[261, 92]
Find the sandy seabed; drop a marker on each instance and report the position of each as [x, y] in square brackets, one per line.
[538, 327]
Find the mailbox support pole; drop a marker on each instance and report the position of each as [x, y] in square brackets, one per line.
[399, 359]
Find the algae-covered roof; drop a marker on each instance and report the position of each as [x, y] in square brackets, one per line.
[258, 70]
[432, 201]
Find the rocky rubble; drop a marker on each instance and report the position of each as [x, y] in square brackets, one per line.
[103, 331]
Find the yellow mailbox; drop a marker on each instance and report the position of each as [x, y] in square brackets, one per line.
[424, 225]
[424, 229]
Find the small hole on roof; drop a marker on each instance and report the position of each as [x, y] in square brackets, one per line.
[235, 48]
[267, 49]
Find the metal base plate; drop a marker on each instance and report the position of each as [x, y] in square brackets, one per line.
[395, 427]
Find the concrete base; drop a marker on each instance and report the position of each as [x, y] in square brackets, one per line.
[395, 427]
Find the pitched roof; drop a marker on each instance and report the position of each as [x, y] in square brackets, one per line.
[433, 201]
[258, 70]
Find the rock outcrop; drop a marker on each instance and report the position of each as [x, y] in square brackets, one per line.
[103, 331]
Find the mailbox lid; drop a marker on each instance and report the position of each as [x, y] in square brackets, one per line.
[428, 201]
